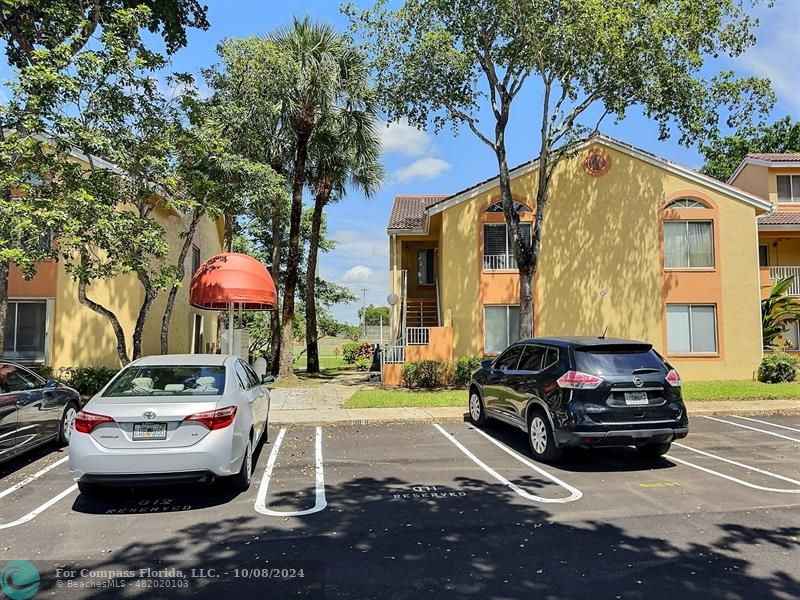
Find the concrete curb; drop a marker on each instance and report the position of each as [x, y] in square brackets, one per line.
[364, 416]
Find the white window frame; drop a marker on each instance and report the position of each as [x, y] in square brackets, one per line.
[48, 327]
[794, 194]
[687, 267]
[508, 327]
[687, 202]
[508, 258]
[714, 352]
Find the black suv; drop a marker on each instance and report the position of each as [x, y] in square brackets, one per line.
[581, 391]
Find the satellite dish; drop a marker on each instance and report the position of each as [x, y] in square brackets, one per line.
[392, 299]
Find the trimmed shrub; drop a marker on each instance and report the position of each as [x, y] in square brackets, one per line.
[424, 374]
[778, 367]
[463, 369]
[363, 363]
[352, 352]
[87, 381]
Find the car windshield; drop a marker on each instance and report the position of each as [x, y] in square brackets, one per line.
[177, 380]
[617, 360]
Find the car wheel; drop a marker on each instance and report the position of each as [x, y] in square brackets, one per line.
[653, 450]
[541, 439]
[477, 414]
[241, 481]
[67, 424]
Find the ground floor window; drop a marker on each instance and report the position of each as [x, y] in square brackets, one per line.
[791, 339]
[691, 328]
[500, 327]
[25, 331]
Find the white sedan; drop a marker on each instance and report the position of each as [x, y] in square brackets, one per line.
[172, 419]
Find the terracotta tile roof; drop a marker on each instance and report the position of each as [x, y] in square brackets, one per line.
[408, 211]
[776, 156]
[778, 217]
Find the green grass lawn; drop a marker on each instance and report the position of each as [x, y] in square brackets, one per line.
[380, 398]
[693, 391]
[738, 390]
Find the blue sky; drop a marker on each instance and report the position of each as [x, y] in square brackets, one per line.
[421, 162]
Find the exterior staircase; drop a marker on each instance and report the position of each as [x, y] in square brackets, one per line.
[422, 312]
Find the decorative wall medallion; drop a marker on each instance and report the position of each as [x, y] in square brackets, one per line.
[596, 162]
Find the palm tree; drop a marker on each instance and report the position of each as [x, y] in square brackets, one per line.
[345, 152]
[321, 85]
[778, 310]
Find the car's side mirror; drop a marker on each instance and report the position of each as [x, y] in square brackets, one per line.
[487, 364]
[51, 384]
[267, 378]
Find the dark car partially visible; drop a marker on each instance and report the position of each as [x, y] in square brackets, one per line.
[33, 411]
[581, 391]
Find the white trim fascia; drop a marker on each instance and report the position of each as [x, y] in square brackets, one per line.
[669, 166]
[792, 164]
[782, 227]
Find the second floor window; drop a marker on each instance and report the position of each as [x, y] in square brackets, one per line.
[788, 188]
[688, 245]
[498, 252]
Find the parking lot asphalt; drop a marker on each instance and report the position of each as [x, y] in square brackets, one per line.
[430, 510]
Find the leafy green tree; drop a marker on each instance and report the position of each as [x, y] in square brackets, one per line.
[441, 62]
[45, 39]
[345, 153]
[372, 315]
[326, 80]
[723, 154]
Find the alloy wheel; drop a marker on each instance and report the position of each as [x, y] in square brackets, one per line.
[69, 422]
[475, 407]
[538, 435]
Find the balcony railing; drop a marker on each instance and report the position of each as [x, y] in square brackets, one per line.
[394, 355]
[499, 262]
[418, 336]
[776, 273]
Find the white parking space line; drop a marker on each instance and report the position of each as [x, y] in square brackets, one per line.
[772, 433]
[32, 515]
[738, 464]
[320, 502]
[769, 423]
[575, 494]
[33, 477]
[40, 509]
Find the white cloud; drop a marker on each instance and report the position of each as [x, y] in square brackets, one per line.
[424, 168]
[350, 242]
[360, 274]
[401, 138]
[775, 54]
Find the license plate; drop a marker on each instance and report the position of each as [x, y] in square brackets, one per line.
[636, 398]
[149, 431]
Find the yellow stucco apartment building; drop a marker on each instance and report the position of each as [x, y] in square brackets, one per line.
[46, 324]
[631, 242]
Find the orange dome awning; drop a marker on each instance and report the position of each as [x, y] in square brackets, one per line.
[233, 278]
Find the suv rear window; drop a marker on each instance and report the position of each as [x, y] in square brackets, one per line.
[617, 360]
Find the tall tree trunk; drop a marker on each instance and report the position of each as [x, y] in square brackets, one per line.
[150, 295]
[119, 333]
[275, 315]
[228, 237]
[293, 260]
[173, 292]
[312, 347]
[4, 268]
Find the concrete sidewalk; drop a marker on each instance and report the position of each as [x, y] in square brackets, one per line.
[360, 416]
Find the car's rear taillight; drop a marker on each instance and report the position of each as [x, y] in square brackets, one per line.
[214, 419]
[85, 422]
[673, 378]
[576, 380]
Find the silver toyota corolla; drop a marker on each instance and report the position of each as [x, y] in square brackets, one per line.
[171, 419]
